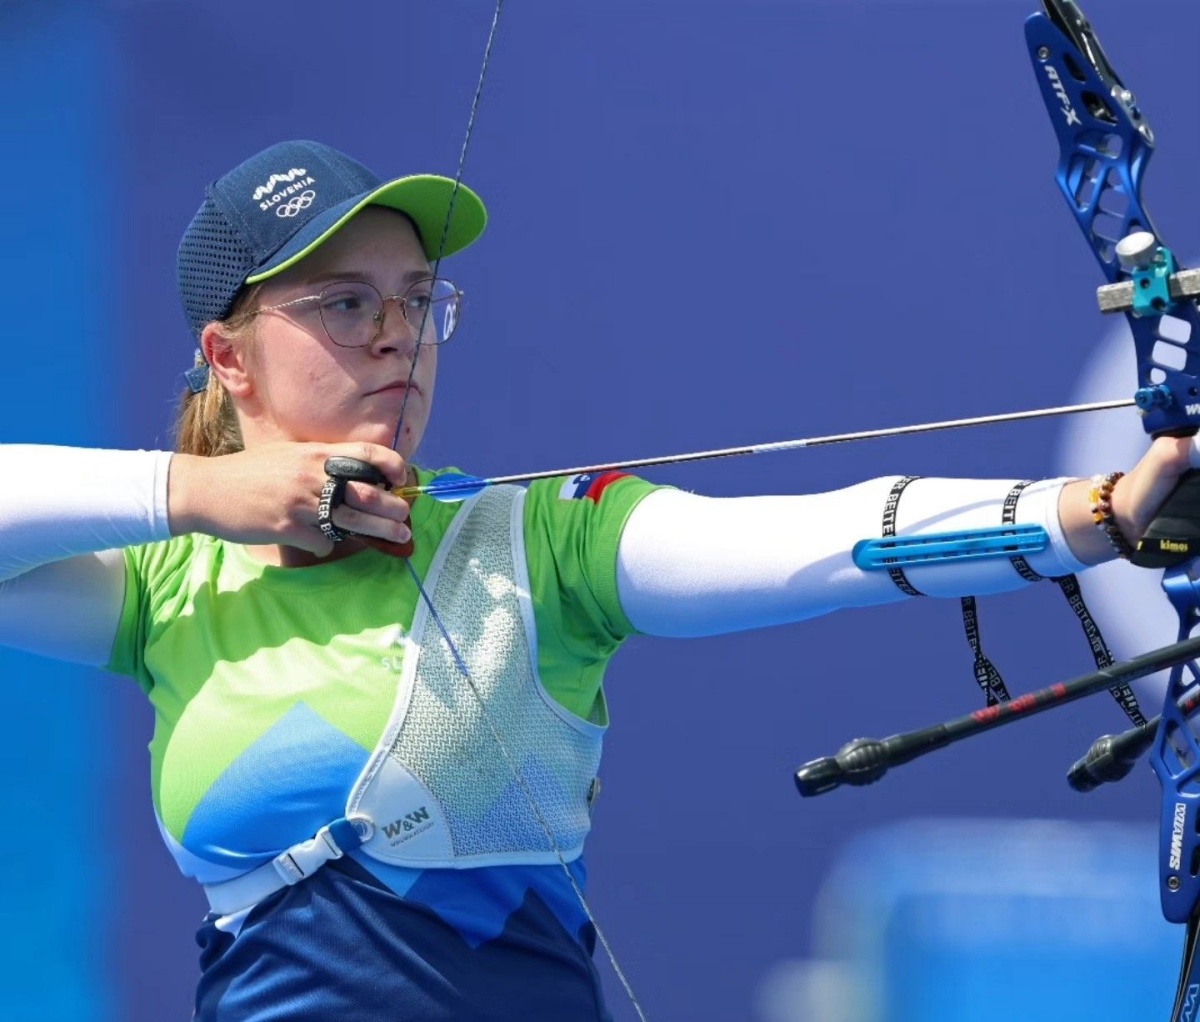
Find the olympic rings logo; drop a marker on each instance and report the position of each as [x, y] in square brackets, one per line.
[294, 205]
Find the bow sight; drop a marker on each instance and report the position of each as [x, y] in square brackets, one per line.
[1104, 145]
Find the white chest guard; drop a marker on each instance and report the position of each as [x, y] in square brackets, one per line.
[440, 786]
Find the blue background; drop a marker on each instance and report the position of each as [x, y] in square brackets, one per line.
[714, 222]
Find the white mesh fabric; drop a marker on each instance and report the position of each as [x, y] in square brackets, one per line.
[445, 738]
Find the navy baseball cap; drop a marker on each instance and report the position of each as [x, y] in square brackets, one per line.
[271, 211]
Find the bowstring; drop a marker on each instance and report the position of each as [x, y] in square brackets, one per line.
[458, 173]
[459, 662]
[519, 777]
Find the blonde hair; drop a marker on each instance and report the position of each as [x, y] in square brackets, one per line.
[206, 423]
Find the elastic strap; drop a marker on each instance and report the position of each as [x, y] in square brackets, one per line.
[889, 531]
[1069, 586]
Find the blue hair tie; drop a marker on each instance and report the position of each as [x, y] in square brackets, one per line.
[197, 376]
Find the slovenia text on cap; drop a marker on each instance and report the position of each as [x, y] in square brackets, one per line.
[272, 210]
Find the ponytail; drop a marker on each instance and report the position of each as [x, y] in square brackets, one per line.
[206, 423]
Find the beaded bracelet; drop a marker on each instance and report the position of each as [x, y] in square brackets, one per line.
[1100, 498]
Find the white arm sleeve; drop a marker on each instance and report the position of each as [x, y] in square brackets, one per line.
[64, 515]
[690, 565]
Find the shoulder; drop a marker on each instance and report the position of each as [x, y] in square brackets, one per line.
[170, 554]
[607, 494]
[569, 510]
[576, 522]
[164, 570]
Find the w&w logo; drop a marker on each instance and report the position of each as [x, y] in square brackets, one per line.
[408, 824]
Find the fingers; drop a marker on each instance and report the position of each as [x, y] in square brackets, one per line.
[376, 501]
[391, 464]
[363, 524]
[373, 511]
[271, 495]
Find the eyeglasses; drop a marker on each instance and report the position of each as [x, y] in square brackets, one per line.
[352, 311]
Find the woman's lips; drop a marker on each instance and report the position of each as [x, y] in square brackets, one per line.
[396, 387]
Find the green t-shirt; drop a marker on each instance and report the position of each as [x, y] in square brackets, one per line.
[271, 686]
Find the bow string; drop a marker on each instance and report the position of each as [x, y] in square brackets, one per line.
[498, 736]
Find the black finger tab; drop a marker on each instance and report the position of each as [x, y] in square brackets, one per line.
[352, 470]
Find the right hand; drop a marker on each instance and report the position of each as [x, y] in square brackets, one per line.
[269, 495]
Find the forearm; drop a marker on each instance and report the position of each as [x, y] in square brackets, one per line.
[59, 502]
[690, 565]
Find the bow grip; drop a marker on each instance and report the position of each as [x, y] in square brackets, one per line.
[1174, 535]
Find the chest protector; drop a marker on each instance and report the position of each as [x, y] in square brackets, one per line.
[441, 786]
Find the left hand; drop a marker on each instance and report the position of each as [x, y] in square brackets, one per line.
[1138, 496]
[1136, 499]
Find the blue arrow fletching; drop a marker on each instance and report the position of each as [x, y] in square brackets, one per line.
[453, 487]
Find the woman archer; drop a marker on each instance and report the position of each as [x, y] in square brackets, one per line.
[378, 716]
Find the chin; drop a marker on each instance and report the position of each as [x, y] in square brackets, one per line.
[384, 433]
[381, 433]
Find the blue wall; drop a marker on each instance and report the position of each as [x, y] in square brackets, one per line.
[60, 309]
[712, 223]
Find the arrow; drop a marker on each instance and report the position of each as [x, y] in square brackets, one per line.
[454, 487]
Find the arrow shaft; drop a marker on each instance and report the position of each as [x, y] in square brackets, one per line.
[782, 445]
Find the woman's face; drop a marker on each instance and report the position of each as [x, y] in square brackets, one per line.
[301, 386]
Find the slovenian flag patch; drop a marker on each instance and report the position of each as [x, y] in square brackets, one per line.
[588, 487]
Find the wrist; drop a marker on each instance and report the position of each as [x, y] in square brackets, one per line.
[1087, 543]
[1101, 499]
[186, 494]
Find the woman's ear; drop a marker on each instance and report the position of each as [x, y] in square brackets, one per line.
[227, 360]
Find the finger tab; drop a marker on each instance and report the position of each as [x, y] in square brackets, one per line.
[354, 470]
